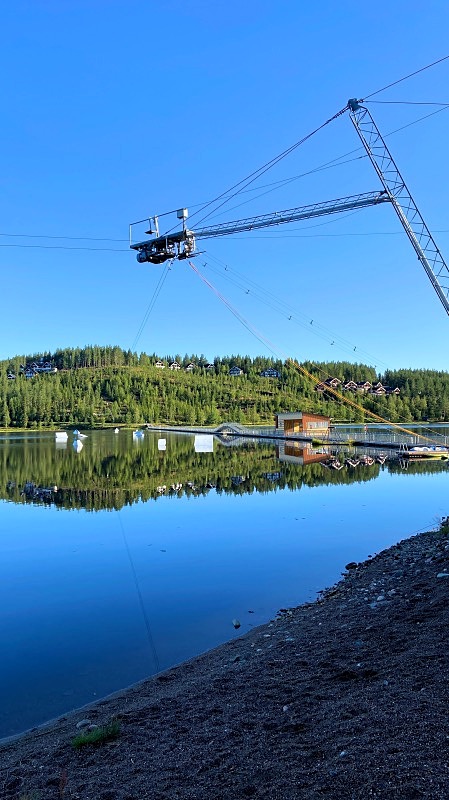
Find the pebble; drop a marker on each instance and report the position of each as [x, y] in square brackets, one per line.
[443, 575]
[83, 723]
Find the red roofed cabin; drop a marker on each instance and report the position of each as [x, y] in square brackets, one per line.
[305, 424]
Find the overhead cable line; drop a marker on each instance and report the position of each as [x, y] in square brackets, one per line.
[140, 599]
[282, 235]
[288, 311]
[47, 236]
[276, 184]
[299, 367]
[406, 77]
[65, 247]
[151, 305]
[268, 165]
[407, 102]
[260, 171]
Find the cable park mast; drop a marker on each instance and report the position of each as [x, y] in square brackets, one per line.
[182, 244]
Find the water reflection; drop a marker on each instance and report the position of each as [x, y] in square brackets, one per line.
[202, 538]
[111, 472]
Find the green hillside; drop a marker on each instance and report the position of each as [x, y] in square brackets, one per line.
[99, 386]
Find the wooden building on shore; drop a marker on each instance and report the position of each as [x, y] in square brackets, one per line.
[301, 423]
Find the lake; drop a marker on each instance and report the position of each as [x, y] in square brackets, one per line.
[132, 555]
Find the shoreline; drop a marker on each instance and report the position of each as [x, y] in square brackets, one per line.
[345, 696]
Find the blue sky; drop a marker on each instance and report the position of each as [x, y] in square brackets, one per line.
[115, 111]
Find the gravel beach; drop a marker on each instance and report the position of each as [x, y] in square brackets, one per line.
[346, 697]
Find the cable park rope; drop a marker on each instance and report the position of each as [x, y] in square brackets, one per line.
[289, 312]
[406, 77]
[335, 162]
[242, 185]
[299, 367]
[140, 598]
[253, 176]
[151, 304]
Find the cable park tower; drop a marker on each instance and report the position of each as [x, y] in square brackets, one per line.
[181, 244]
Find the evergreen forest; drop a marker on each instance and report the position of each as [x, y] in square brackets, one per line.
[106, 386]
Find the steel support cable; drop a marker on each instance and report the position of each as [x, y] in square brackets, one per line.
[280, 184]
[316, 380]
[406, 77]
[407, 102]
[261, 338]
[324, 167]
[261, 171]
[274, 161]
[254, 175]
[275, 185]
[67, 247]
[151, 305]
[289, 312]
[308, 325]
[140, 598]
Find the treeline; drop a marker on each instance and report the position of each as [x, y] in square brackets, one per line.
[98, 386]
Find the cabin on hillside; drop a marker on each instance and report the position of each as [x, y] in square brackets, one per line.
[270, 373]
[235, 371]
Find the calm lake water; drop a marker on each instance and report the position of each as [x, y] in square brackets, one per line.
[143, 556]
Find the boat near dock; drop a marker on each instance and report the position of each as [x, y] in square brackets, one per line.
[425, 451]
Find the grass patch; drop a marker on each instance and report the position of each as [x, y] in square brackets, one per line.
[100, 735]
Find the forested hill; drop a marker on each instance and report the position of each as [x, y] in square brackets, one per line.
[95, 386]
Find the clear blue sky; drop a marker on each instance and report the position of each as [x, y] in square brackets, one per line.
[113, 111]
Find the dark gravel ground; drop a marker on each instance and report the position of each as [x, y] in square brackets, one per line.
[346, 697]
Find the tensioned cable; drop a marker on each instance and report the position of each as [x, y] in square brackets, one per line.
[253, 176]
[330, 164]
[139, 595]
[336, 219]
[268, 165]
[324, 235]
[151, 304]
[407, 102]
[288, 311]
[309, 325]
[300, 367]
[261, 171]
[66, 247]
[275, 185]
[406, 77]
[75, 238]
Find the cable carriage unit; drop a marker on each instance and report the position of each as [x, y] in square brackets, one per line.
[182, 244]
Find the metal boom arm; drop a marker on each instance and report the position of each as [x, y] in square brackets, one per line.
[181, 244]
[403, 203]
